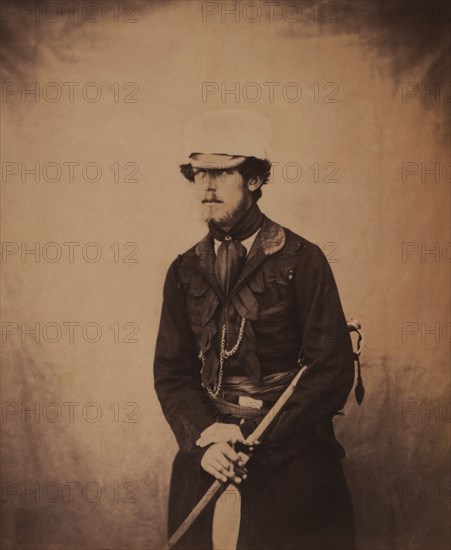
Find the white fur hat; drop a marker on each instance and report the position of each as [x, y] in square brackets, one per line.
[227, 136]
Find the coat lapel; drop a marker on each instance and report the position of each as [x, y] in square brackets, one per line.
[269, 240]
[205, 252]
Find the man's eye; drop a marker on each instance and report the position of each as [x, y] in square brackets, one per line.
[217, 174]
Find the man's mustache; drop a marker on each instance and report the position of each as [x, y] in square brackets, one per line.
[214, 200]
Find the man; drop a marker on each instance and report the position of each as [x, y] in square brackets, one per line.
[243, 309]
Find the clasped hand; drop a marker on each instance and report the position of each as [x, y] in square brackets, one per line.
[221, 460]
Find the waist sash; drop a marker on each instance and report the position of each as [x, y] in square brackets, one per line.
[268, 391]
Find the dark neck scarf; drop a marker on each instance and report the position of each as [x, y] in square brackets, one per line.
[231, 253]
[246, 226]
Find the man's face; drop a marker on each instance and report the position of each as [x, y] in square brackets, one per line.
[222, 194]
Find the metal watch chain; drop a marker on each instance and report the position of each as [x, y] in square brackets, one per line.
[224, 354]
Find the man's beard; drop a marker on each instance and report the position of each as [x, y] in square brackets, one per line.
[229, 219]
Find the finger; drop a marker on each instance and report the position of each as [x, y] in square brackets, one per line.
[223, 461]
[221, 471]
[243, 458]
[214, 468]
[235, 434]
[219, 428]
[223, 436]
[202, 442]
[241, 472]
[217, 475]
[230, 453]
[212, 471]
[224, 467]
[212, 437]
[208, 430]
[217, 433]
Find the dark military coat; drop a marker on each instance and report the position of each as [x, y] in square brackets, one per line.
[295, 496]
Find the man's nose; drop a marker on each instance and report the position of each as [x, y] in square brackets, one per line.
[209, 182]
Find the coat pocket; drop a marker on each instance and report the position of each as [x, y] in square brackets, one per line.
[275, 313]
[195, 300]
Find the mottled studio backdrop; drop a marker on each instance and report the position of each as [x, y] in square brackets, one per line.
[95, 96]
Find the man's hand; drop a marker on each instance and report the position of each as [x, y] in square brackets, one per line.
[223, 463]
[220, 433]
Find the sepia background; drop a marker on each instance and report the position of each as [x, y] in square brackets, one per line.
[358, 95]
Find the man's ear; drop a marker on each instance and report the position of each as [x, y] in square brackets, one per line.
[254, 183]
